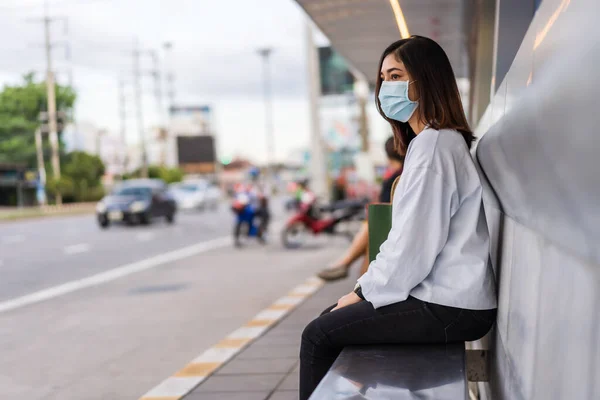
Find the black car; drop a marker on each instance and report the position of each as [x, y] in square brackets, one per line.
[137, 201]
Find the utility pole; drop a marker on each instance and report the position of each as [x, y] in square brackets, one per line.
[156, 75]
[170, 92]
[318, 163]
[162, 131]
[265, 53]
[361, 91]
[137, 76]
[123, 123]
[168, 47]
[40, 161]
[51, 102]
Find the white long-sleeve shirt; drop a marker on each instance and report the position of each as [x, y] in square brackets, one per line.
[438, 247]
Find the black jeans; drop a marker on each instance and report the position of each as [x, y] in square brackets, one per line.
[410, 321]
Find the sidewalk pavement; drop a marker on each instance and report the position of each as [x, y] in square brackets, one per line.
[268, 368]
[16, 213]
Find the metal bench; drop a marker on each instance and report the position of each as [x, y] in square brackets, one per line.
[397, 372]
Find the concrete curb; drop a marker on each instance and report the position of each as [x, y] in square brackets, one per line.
[203, 366]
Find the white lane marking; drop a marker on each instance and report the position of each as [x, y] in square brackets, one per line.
[76, 249]
[13, 239]
[113, 274]
[145, 236]
[175, 386]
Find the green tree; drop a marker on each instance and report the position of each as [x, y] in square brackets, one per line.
[85, 171]
[81, 178]
[20, 106]
[169, 175]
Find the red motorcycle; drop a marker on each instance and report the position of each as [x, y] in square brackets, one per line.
[309, 219]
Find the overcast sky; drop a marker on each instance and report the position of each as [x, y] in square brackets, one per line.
[214, 60]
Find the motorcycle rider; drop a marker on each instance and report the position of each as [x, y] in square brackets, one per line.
[260, 200]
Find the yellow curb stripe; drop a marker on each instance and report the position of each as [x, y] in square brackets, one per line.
[281, 307]
[198, 369]
[161, 398]
[260, 322]
[232, 343]
[185, 380]
[293, 294]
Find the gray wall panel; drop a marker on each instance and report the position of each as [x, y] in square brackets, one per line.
[512, 22]
[538, 155]
[526, 269]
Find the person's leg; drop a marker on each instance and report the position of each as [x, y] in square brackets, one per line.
[339, 269]
[365, 264]
[263, 224]
[410, 321]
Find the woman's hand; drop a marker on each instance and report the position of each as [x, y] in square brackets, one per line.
[349, 299]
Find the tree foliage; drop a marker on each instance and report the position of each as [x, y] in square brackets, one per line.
[81, 178]
[20, 106]
[169, 175]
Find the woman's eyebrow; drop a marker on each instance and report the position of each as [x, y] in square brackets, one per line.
[394, 69]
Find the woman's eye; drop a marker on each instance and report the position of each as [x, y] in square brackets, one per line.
[395, 77]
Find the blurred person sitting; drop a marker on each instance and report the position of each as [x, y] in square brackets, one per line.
[339, 187]
[300, 188]
[339, 269]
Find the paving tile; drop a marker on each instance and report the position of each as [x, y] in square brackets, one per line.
[285, 330]
[228, 396]
[291, 382]
[258, 366]
[264, 352]
[276, 342]
[290, 337]
[240, 383]
[285, 395]
[261, 365]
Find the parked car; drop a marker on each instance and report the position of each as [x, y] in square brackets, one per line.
[137, 201]
[196, 195]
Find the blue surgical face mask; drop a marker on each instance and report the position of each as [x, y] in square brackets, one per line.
[394, 100]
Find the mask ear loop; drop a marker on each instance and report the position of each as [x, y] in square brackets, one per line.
[407, 96]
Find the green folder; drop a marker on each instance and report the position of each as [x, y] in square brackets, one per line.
[380, 223]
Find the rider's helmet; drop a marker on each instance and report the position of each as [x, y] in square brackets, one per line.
[303, 183]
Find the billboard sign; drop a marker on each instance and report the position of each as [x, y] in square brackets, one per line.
[191, 120]
[196, 154]
[336, 77]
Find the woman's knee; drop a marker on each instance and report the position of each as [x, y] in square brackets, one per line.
[328, 309]
[312, 333]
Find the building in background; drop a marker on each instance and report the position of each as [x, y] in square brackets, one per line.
[92, 139]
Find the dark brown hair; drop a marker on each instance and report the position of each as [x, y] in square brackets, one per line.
[440, 106]
[391, 150]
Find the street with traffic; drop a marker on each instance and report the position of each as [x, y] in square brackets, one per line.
[88, 313]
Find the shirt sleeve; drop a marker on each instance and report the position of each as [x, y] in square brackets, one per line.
[420, 223]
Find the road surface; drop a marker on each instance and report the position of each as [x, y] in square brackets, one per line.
[92, 314]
